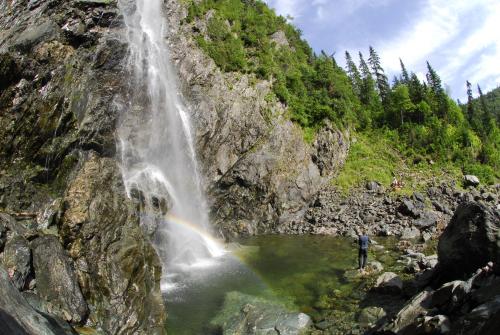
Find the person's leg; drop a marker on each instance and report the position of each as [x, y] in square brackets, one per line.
[365, 256]
[360, 259]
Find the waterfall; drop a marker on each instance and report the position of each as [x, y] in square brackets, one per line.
[157, 146]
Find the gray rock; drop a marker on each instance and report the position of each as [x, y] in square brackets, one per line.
[374, 266]
[17, 317]
[372, 186]
[244, 314]
[469, 241]
[450, 295]
[406, 321]
[426, 220]
[419, 197]
[408, 208]
[280, 39]
[410, 233]
[56, 280]
[471, 180]
[371, 316]
[389, 282]
[438, 324]
[16, 258]
[35, 34]
[485, 311]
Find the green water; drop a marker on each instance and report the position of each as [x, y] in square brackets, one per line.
[312, 274]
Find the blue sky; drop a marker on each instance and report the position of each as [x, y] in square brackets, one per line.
[460, 38]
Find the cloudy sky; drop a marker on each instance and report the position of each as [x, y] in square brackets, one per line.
[460, 38]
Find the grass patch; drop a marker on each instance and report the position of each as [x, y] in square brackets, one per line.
[373, 156]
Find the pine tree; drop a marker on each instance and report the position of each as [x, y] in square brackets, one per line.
[470, 100]
[438, 95]
[354, 75]
[417, 90]
[368, 94]
[486, 112]
[380, 77]
[368, 84]
[405, 78]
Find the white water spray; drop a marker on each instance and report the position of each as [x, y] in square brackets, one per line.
[156, 143]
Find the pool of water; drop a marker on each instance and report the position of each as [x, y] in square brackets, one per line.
[306, 273]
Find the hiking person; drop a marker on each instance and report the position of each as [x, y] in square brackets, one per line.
[363, 242]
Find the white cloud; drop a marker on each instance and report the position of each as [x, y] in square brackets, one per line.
[441, 31]
[439, 36]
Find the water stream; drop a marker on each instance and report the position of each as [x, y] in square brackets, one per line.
[157, 147]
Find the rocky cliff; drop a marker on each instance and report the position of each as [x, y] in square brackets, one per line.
[70, 240]
[260, 173]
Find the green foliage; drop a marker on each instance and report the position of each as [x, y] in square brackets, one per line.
[417, 118]
[239, 37]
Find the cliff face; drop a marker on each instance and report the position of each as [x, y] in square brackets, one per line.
[259, 170]
[62, 199]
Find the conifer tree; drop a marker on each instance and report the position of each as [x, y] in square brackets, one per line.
[368, 94]
[486, 112]
[405, 78]
[417, 90]
[380, 77]
[354, 75]
[438, 94]
[470, 100]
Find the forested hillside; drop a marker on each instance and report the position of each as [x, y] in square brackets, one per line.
[418, 117]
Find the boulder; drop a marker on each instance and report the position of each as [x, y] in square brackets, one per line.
[17, 317]
[372, 186]
[371, 316]
[389, 282]
[405, 321]
[426, 220]
[408, 208]
[450, 295]
[16, 258]
[244, 314]
[56, 279]
[438, 324]
[410, 233]
[471, 180]
[469, 241]
[374, 267]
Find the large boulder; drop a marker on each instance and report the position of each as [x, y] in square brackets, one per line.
[405, 322]
[16, 258]
[469, 241]
[247, 315]
[17, 317]
[389, 282]
[56, 279]
[471, 180]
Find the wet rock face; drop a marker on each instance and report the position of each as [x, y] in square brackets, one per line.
[56, 280]
[470, 240]
[18, 317]
[117, 268]
[259, 170]
[60, 69]
[16, 258]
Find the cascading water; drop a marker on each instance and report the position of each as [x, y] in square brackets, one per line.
[158, 156]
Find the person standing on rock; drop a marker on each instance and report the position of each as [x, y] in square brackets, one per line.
[363, 242]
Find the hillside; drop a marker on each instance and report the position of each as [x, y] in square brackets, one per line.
[424, 123]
